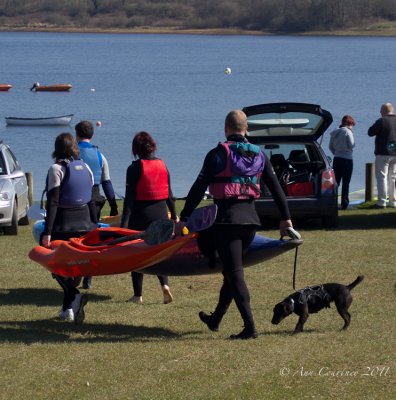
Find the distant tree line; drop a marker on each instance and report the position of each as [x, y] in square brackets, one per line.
[276, 16]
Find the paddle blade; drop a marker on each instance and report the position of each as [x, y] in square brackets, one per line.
[159, 231]
[202, 218]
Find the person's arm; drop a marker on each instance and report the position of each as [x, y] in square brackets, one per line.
[132, 176]
[375, 129]
[107, 187]
[350, 140]
[54, 180]
[331, 144]
[170, 201]
[51, 209]
[110, 196]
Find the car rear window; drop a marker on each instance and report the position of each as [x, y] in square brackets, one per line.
[293, 152]
[284, 124]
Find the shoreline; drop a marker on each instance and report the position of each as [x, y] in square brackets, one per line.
[374, 32]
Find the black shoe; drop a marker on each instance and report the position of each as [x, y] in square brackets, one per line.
[247, 333]
[87, 282]
[208, 320]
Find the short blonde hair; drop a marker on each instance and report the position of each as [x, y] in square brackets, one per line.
[236, 121]
[386, 109]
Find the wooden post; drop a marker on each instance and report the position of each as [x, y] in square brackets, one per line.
[369, 195]
[29, 178]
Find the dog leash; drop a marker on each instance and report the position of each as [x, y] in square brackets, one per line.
[295, 268]
[294, 235]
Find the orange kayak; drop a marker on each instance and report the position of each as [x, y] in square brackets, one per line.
[61, 87]
[5, 87]
[77, 256]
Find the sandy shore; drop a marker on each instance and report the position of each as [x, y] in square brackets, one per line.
[359, 31]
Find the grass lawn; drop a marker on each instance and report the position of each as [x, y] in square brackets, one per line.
[157, 351]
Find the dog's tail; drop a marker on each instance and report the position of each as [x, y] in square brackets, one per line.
[355, 282]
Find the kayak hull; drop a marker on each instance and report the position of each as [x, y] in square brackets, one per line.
[76, 257]
[190, 261]
[177, 257]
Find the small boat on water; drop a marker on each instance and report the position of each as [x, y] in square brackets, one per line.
[61, 87]
[49, 121]
[4, 87]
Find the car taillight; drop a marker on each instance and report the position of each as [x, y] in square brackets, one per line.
[328, 180]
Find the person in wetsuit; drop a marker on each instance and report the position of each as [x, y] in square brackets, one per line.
[70, 212]
[91, 155]
[148, 197]
[233, 171]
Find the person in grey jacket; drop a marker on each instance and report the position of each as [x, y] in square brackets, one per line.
[341, 145]
[384, 130]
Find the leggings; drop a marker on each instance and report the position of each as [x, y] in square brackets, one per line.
[231, 242]
[66, 283]
[343, 172]
[137, 282]
[69, 290]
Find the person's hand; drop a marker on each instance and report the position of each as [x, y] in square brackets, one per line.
[46, 241]
[284, 224]
[180, 226]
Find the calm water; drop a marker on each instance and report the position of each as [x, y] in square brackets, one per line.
[174, 86]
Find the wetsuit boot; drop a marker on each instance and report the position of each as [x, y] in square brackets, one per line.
[248, 332]
[210, 320]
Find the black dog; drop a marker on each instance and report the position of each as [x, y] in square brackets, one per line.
[312, 299]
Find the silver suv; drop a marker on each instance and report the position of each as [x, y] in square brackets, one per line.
[14, 200]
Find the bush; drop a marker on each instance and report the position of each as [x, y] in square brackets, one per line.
[56, 19]
[111, 6]
[135, 22]
[110, 21]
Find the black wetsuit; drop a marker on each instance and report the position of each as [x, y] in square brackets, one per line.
[62, 223]
[234, 229]
[141, 213]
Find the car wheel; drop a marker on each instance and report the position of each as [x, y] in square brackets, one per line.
[24, 220]
[13, 229]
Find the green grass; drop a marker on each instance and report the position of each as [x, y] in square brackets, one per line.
[157, 351]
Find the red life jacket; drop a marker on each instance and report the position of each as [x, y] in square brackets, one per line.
[238, 185]
[153, 182]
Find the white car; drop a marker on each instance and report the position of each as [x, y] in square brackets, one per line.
[14, 199]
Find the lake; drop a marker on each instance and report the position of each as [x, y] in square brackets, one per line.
[174, 87]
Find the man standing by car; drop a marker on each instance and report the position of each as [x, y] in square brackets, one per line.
[100, 169]
[384, 130]
[232, 170]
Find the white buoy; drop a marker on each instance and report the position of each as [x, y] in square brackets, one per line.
[92, 89]
[227, 71]
[98, 123]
